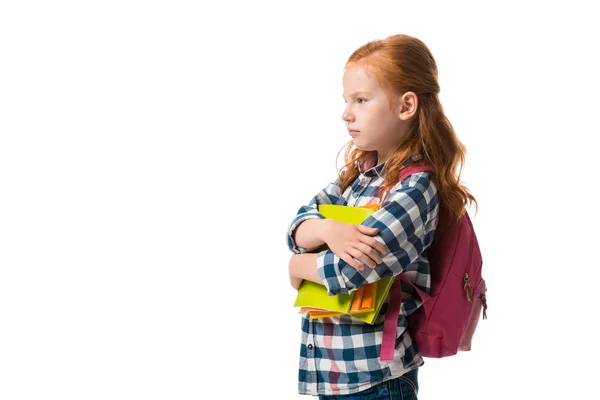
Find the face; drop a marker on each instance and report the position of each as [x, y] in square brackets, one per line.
[371, 123]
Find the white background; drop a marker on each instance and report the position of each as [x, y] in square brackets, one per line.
[152, 155]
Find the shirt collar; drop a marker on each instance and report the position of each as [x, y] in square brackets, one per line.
[376, 170]
[370, 170]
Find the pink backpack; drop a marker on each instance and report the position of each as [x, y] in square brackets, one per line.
[449, 315]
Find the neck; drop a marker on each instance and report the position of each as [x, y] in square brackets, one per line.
[381, 157]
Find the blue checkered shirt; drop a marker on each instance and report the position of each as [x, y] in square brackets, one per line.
[340, 355]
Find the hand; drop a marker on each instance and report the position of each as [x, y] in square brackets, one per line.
[354, 244]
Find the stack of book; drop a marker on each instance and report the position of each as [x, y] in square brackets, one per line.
[363, 303]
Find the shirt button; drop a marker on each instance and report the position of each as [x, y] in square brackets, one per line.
[310, 346]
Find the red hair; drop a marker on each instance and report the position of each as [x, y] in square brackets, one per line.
[401, 64]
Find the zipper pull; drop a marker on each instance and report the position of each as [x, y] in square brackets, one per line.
[484, 302]
[467, 287]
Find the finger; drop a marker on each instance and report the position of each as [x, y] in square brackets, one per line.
[352, 262]
[361, 257]
[376, 244]
[368, 230]
[369, 252]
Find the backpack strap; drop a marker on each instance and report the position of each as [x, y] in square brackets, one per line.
[413, 169]
[409, 170]
[388, 340]
[388, 337]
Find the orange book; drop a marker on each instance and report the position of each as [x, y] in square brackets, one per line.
[358, 299]
[368, 297]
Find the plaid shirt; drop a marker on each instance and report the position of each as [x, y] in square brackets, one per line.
[340, 355]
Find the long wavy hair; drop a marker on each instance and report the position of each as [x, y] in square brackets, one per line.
[401, 64]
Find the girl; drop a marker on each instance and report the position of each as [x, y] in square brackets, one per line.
[394, 118]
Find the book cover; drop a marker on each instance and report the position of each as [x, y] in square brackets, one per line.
[314, 295]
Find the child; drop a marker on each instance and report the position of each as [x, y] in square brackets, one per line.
[395, 118]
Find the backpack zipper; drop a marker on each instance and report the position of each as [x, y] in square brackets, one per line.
[484, 303]
[467, 287]
[466, 281]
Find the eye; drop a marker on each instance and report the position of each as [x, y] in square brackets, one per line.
[360, 100]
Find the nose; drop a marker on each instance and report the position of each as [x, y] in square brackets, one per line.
[347, 116]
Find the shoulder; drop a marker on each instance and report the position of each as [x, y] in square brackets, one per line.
[416, 190]
[421, 181]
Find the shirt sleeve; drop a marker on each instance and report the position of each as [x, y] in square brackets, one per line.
[406, 223]
[331, 194]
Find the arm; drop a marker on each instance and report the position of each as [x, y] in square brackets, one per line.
[406, 222]
[309, 233]
[354, 244]
[309, 238]
[310, 230]
[303, 266]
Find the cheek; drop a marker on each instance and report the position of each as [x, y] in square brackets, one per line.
[379, 112]
[370, 114]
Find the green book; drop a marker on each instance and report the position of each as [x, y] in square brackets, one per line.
[314, 295]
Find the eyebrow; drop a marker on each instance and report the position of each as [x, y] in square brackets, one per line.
[357, 92]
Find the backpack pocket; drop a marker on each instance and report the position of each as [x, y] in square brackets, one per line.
[479, 304]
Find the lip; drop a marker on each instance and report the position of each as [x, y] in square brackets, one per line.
[353, 132]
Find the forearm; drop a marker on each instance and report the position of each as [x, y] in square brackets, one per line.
[309, 234]
[304, 266]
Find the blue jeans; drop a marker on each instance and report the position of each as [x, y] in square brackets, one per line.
[402, 388]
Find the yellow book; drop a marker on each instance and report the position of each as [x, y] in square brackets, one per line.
[364, 303]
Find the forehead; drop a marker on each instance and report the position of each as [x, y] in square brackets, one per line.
[359, 78]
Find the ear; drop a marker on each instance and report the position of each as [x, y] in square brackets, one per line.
[407, 107]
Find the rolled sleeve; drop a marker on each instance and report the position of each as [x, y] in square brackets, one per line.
[336, 274]
[406, 223]
[305, 213]
[331, 194]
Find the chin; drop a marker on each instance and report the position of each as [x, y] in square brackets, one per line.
[361, 146]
